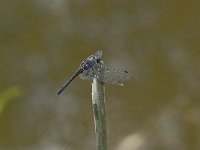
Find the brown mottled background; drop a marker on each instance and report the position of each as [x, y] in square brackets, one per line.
[42, 42]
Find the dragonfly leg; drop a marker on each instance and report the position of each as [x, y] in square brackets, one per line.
[93, 72]
[88, 71]
[96, 72]
[98, 67]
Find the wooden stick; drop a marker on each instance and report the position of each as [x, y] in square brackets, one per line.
[99, 112]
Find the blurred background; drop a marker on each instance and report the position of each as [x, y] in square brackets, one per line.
[42, 42]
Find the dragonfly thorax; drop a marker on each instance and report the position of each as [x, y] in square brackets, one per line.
[88, 64]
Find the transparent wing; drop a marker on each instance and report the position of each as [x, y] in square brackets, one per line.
[104, 73]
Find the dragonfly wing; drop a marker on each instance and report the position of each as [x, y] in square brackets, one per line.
[112, 75]
[104, 73]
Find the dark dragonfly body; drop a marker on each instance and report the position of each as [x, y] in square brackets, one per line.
[86, 65]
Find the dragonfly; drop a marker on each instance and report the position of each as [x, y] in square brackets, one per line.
[92, 67]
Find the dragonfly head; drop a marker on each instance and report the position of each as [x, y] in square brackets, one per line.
[98, 55]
